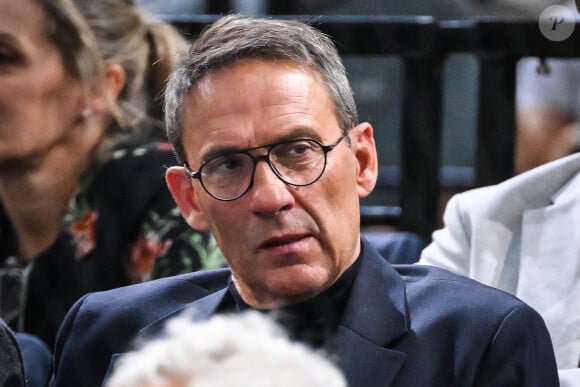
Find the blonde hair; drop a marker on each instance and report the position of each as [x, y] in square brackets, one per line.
[248, 349]
[94, 34]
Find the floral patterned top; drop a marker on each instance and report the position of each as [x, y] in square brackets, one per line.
[122, 227]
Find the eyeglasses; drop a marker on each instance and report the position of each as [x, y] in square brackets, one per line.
[299, 162]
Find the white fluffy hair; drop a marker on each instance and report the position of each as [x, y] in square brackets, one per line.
[247, 349]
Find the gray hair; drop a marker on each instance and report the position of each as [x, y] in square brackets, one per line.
[247, 349]
[234, 38]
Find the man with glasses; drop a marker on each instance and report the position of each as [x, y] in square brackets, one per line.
[274, 163]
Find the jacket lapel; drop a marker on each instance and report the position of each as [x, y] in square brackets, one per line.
[198, 310]
[375, 316]
[509, 211]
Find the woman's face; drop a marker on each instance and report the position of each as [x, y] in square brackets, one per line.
[40, 104]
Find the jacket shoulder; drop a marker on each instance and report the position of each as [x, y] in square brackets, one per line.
[183, 288]
[104, 323]
[441, 286]
[530, 189]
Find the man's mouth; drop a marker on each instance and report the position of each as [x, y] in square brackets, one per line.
[280, 241]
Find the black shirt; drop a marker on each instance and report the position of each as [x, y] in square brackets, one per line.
[313, 321]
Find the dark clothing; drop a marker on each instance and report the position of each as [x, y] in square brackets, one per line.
[314, 321]
[405, 325]
[122, 227]
[398, 247]
[11, 366]
[37, 359]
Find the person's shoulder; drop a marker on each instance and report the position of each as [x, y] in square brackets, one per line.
[104, 323]
[531, 189]
[442, 286]
[423, 276]
[151, 150]
[136, 172]
[485, 331]
[141, 158]
[186, 287]
[127, 309]
[551, 175]
[436, 295]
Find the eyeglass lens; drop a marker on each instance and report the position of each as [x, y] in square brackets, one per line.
[298, 163]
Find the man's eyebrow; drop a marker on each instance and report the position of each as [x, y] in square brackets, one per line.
[294, 134]
[300, 132]
[221, 151]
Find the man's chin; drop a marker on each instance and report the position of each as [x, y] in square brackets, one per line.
[295, 291]
[284, 286]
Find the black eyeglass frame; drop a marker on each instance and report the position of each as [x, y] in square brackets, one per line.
[265, 157]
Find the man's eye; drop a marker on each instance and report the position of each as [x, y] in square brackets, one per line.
[298, 149]
[226, 164]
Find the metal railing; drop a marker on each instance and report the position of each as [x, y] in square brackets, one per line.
[423, 43]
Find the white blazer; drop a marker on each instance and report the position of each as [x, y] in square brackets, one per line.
[523, 236]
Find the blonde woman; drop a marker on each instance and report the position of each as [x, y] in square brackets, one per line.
[83, 202]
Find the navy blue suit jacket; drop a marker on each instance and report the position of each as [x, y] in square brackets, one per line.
[406, 325]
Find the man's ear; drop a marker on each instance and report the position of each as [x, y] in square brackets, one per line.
[365, 151]
[184, 195]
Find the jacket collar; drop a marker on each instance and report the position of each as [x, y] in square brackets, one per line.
[199, 310]
[375, 316]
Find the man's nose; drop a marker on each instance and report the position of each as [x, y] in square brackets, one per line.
[269, 194]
